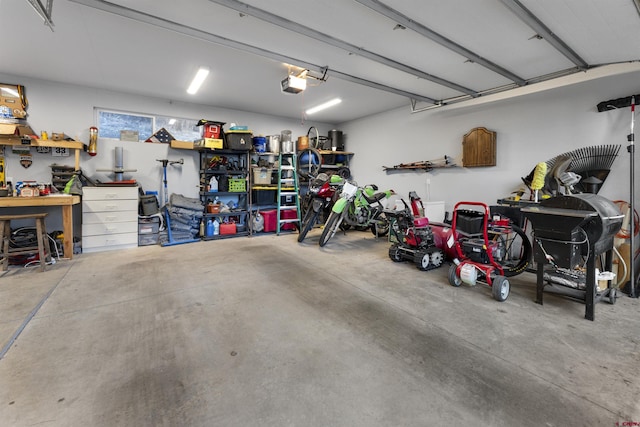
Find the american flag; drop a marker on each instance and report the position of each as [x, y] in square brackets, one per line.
[161, 135]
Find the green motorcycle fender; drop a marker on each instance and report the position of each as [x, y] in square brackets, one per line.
[339, 205]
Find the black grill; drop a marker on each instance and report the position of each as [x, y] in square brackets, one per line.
[570, 232]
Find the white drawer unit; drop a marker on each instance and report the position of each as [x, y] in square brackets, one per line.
[109, 218]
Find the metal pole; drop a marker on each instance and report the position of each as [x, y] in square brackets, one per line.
[633, 292]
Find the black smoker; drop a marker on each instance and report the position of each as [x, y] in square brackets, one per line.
[567, 230]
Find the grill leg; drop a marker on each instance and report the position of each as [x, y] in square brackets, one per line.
[539, 281]
[590, 290]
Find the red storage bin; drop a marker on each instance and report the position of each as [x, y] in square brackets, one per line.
[288, 214]
[270, 219]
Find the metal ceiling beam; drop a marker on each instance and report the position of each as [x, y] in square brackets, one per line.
[636, 3]
[44, 12]
[332, 41]
[543, 31]
[409, 23]
[223, 41]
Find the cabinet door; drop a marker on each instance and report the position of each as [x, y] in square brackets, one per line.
[479, 148]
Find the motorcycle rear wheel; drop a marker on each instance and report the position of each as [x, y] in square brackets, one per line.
[380, 226]
[330, 228]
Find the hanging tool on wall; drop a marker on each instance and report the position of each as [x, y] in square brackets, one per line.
[93, 141]
[427, 165]
[2, 175]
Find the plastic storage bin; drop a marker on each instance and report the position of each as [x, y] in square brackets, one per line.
[262, 176]
[270, 218]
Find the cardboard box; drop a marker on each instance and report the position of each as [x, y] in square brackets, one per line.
[11, 130]
[185, 145]
[209, 143]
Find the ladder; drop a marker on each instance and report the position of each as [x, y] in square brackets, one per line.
[288, 189]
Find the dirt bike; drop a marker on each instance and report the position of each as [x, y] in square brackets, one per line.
[359, 207]
[318, 200]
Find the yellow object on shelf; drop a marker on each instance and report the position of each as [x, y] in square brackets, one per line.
[538, 176]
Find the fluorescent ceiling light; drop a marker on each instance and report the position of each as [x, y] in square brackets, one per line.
[197, 81]
[324, 106]
[172, 122]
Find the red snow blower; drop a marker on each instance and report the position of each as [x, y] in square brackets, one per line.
[413, 237]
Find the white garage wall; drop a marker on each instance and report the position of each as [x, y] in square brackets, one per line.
[530, 129]
[55, 107]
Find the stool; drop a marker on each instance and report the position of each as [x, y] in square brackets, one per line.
[5, 237]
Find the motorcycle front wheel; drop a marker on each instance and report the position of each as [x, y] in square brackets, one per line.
[309, 220]
[330, 228]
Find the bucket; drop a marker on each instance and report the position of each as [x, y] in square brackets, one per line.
[337, 143]
[303, 143]
[273, 144]
[287, 146]
[285, 135]
[259, 144]
[148, 204]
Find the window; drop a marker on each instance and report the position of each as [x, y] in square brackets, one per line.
[110, 123]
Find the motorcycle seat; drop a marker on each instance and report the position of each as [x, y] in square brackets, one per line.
[375, 198]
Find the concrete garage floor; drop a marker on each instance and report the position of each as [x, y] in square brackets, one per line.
[264, 331]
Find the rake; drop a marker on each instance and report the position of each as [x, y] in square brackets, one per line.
[594, 161]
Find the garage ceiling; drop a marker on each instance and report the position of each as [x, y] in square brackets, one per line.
[375, 55]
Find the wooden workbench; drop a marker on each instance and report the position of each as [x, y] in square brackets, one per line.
[65, 201]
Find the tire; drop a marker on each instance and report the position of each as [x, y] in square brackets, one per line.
[500, 288]
[436, 257]
[613, 296]
[380, 227]
[308, 222]
[330, 228]
[395, 253]
[422, 260]
[519, 248]
[454, 279]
